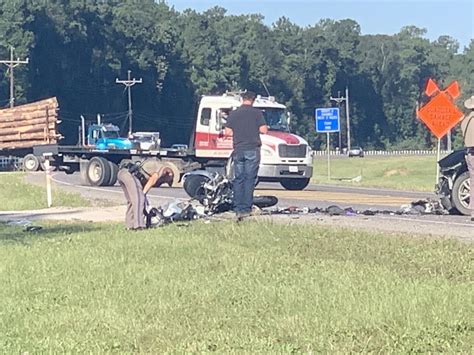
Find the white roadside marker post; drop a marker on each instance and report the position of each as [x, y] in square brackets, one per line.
[47, 169]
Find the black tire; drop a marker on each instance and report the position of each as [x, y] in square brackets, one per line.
[98, 171]
[31, 163]
[265, 201]
[460, 194]
[193, 183]
[113, 174]
[294, 184]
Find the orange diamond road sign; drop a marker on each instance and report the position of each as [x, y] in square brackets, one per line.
[440, 114]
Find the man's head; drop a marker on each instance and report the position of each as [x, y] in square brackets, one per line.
[248, 98]
[165, 176]
[469, 103]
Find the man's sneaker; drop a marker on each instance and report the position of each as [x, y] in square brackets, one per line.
[239, 216]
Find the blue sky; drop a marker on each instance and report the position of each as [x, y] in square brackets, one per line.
[440, 17]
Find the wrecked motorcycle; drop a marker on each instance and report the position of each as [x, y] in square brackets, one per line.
[214, 191]
[453, 187]
[210, 193]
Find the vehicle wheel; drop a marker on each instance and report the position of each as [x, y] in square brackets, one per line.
[265, 201]
[193, 183]
[113, 173]
[460, 194]
[294, 184]
[176, 173]
[98, 171]
[31, 162]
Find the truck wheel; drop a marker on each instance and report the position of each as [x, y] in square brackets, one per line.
[176, 173]
[113, 174]
[294, 184]
[98, 171]
[31, 162]
[460, 194]
[193, 183]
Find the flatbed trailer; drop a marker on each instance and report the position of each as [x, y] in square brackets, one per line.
[99, 167]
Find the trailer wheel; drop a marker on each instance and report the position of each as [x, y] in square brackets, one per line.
[31, 162]
[294, 184]
[113, 174]
[460, 195]
[176, 173]
[98, 171]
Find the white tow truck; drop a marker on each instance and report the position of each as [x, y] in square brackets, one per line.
[285, 157]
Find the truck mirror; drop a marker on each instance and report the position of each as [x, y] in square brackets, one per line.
[288, 118]
[221, 120]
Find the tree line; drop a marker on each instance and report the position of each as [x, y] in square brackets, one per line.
[78, 48]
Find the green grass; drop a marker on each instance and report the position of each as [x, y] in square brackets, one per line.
[222, 287]
[16, 195]
[417, 173]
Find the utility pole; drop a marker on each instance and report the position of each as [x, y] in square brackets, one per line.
[12, 64]
[129, 83]
[348, 121]
[338, 100]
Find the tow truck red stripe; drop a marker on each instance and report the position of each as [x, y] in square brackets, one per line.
[287, 137]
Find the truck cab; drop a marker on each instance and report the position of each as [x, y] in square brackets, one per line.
[285, 157]
[106, 136]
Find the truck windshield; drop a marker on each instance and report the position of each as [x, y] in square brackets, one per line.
[276, 119]
[111, 134]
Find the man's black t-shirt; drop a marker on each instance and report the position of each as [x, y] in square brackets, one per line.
[245, 123]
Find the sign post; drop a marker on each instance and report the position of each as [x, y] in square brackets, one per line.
[440, 114]
[329, 162]
[327, 121]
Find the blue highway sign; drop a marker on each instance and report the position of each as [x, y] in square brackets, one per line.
[327, 119]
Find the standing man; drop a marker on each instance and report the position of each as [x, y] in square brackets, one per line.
[136, 180]
[245, 125]
[467, 126]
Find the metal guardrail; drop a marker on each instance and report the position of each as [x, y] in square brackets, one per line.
[10, 163]
[317, 153]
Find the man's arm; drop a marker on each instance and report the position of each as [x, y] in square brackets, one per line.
[228, 132]
[262, 124]
[151, 182]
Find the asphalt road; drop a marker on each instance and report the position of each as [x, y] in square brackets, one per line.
[321, 196]
[313, 196]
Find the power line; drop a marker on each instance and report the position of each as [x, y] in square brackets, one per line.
[12, 64]
[128, 84]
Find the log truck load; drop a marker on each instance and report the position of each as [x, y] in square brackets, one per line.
[26, 126]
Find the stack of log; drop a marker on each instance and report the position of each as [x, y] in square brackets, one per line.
[28, 125]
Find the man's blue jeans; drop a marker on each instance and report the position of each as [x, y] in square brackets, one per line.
[246, 165]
